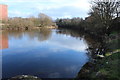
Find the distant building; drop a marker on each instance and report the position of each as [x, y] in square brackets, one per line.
[3, 12]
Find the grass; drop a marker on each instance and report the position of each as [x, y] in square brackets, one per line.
[114, 33]
[108, 67]
[110, 53]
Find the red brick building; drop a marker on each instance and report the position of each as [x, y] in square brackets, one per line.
[3, 12]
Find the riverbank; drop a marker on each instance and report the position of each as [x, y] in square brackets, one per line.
[107, 68]
[3, 27]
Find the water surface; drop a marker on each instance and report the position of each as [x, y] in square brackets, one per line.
[46, 54]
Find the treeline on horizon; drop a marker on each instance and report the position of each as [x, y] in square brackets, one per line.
[18, 23]
[103, 19]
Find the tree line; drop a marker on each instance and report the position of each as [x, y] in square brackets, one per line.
[18, 23]
[103, 18]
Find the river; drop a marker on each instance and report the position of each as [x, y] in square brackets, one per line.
[43, 53]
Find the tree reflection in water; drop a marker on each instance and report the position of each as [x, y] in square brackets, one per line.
[44, 34]
[96, 45]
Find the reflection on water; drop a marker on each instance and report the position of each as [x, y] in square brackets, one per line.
[41, 35]
[3, 40]
[43, 53]
[96, 45]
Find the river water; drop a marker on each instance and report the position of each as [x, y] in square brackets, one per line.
[43, 53]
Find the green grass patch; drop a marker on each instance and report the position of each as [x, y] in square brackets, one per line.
[114, 33]
[109, 66]
[114, 51]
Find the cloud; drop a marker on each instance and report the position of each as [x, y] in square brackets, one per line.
[19, 13]
[53, 8]
[63, 41]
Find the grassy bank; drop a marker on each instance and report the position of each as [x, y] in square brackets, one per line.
[107, 68]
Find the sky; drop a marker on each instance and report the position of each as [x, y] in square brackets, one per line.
[52, 8]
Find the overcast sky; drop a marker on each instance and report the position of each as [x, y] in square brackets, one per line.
[53, 8]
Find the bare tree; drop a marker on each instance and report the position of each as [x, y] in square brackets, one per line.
[105, 11]
[45, 20]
